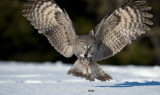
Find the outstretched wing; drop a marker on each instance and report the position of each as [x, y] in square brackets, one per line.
[118, 29]
[51, 21]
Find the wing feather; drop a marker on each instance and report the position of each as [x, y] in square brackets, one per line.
[121, 27]
[55, 24]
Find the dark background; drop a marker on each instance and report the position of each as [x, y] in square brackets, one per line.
[19, 41]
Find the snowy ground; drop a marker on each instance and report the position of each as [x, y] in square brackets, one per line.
[17, 78]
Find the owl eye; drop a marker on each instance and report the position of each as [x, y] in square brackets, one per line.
[91, 47]
[83, 47]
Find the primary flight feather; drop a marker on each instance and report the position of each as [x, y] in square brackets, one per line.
[113, 33]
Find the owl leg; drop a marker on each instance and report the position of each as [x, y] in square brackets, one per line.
[81, 68]
[85, 69]
[99, 73]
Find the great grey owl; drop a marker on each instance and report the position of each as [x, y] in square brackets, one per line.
[112, 34]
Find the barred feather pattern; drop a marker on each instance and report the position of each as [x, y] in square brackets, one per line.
[117, 30]
[51, 21]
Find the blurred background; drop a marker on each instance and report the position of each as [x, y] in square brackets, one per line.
[19, 41]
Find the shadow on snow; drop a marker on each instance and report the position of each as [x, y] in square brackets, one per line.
[131, 84]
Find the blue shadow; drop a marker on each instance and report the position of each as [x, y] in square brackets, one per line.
[131, 84]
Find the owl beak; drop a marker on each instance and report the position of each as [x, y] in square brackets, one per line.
[86, 54]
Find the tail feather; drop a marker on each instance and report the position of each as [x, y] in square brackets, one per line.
[85, 69]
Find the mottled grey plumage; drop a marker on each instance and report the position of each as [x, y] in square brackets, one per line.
[52, 22]
[113, 33]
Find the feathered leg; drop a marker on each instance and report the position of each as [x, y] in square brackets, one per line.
[85, 69]
[99, 73]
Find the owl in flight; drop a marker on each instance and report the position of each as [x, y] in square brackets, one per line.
[112, 34]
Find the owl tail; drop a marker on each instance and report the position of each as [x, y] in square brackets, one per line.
[83, 68]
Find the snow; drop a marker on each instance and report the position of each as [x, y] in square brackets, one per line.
[19, 78]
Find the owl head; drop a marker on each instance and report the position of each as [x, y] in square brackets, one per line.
[86, 46]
